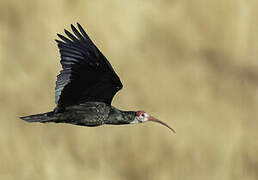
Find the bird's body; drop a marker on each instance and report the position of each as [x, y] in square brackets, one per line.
[86, 114]
[86, 86]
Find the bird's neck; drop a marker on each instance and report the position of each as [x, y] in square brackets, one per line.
[117, 116]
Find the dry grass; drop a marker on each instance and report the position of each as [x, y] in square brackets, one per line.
[190, 63]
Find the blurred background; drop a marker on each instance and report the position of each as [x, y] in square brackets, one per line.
[192, 64]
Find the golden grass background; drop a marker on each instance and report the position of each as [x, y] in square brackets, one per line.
[193, 64]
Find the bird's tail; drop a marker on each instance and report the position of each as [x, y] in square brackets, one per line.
[42, 118]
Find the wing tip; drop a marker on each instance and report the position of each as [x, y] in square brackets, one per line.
[78, 24]
[72, 26]
[59, 35]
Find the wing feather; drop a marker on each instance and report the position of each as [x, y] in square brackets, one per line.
[76, 32]
[86, 75]
[64, 38]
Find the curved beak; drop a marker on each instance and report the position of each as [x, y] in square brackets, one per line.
[153, 119]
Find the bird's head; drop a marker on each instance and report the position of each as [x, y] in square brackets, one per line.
[141, 116]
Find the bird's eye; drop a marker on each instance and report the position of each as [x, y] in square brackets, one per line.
[142, 115]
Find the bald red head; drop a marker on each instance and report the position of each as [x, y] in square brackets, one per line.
[139, 113]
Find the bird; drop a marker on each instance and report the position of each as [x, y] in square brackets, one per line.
[86, 86]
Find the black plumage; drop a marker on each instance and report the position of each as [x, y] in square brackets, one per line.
[86, 86]
[87, 75]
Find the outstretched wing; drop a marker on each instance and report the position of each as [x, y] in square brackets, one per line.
[86, 75]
